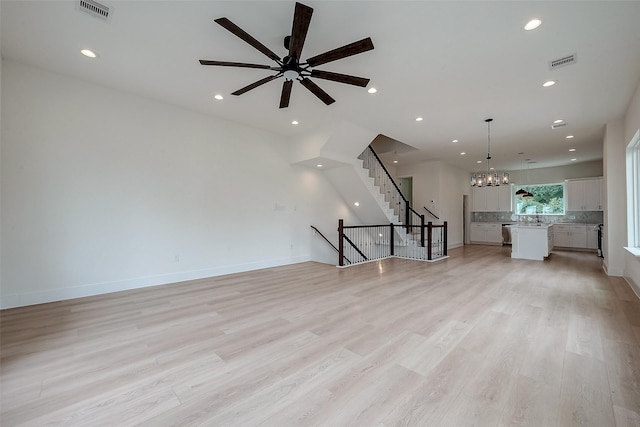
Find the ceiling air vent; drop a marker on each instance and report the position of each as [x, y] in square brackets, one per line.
[557, 125]
[564, 61]
[95, 9]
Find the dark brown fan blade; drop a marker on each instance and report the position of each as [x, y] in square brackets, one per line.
[341, 52]
[230, 26]
[315, 89]
[340, 78]
[255, 85]
[286, 93]
[233, 64]
[301, 21]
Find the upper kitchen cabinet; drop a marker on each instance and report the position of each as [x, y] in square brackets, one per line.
[492, 199]
[584, 194]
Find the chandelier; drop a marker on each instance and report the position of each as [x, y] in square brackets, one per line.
[492, 177]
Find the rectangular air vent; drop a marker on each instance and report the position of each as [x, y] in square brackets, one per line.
[95, 9]
[557, 125]
[564, 61]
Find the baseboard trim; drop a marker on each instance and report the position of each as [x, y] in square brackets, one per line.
[42, 297]
[635, 287]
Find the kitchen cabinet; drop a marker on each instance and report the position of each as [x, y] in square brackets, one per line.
[492, 199]
[584, 194]
[570, 236]
[592, 236]
[485, 232]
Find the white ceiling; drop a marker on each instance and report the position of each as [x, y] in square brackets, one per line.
[453, 63]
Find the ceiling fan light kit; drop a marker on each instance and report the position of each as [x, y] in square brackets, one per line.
[290, 66]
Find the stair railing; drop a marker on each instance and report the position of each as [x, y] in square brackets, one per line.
[431, 213]
[392, 194]
[371, 242]
[329, 242]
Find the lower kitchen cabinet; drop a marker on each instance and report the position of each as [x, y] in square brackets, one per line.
[573, 236]
[485, 232]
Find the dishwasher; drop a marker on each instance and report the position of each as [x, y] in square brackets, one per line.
[506, 234]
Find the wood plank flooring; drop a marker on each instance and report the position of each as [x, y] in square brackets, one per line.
[476, 339]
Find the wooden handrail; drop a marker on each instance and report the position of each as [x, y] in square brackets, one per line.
[431, 213]
[329, 242]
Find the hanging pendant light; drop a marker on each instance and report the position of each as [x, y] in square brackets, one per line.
[521, 191]
[492, 178]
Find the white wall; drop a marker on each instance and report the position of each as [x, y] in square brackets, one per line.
[445, 185]
[618, 134]
[557, 174]
[103, 191]
[631, 126]
[615, 217]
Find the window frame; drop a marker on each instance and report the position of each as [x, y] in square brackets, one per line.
[633, 194]
[529, 186]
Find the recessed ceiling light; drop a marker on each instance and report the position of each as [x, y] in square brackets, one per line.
[492, 169]
[479, 161]
[356, 204]
[549, 83]
[533, 24]
[569, 136]
[573, 160]
[219, 97]
[558, 121]
[463, 153]
[319, 166]
[572, 149]
[295, 122]
[419, 119]
[372, 90]
[88, 53]
[395, 161]
[454, 141]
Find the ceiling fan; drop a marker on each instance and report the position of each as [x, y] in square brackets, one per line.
[291, 67]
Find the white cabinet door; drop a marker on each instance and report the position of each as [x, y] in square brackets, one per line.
[592, 237]
[485, 232]
[593, 195]
[504, 198]
[478, 199]
[578, 236]
[493, 233]
[561, 236]
[476, 234]
[575, 195]
[491, 199]
[584, 194]
[570, 236]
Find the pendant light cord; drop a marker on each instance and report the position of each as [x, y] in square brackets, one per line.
[488, 144]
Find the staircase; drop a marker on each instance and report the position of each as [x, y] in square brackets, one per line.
[404, 234]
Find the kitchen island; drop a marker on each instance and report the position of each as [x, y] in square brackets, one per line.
[531, 241]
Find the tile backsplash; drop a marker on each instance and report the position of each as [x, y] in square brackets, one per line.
[588, 217]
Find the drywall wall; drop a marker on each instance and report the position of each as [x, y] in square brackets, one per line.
[439, 187]
[615, 217]
[631, 126]
[104, 191]
[557, 174]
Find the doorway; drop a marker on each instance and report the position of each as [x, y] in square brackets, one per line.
[406, 188]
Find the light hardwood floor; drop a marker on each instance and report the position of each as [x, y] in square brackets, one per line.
[477, 339]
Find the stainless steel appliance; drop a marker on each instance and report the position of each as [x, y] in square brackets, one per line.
[506, 234]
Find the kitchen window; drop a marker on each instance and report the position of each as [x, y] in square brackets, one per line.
[633, 195]
[548, 199]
